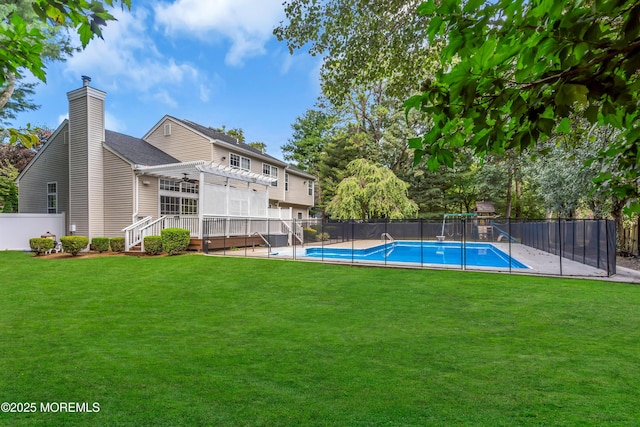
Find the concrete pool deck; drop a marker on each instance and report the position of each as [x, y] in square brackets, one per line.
[540, 263]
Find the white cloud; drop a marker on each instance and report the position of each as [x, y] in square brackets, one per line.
[112, 123]
[163, 97]
[128, 58]
[204, 93]
[248, 24]
[62, 118]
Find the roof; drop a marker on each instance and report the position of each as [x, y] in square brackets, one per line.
[485, 207]
[298, 171]
[219, 136]
[136, 151]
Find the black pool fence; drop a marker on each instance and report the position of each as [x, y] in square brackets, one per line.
[551, 247]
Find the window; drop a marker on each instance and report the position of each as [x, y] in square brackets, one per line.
[189, 206]
[271, 171]
[52, 197]
[178, 197]
[189, 187]
[178, 186]
[169, 185]
[299, 215]
[169, 205]
[240, 162]
[286, 181]
[310, 187]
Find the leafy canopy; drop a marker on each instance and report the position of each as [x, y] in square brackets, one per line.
[513, 72]
[25, 45]
[21, 45]
[361, 41]
[371, 191]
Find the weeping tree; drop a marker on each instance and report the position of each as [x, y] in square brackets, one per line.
[371, 191]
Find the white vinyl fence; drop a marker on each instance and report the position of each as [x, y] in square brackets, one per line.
[17, 229]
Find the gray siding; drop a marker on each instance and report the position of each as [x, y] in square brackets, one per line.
[96, 167]
[119, 182]
[78, 167]
[183, 144]
[86, 183]
[51, 165]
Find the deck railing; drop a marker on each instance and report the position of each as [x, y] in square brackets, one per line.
[155, 228]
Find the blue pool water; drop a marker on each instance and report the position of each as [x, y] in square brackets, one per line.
[446, 253]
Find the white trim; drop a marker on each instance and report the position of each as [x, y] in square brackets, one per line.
[197, 166]
[86, 91]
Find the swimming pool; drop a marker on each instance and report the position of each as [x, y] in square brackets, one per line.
[444, 253]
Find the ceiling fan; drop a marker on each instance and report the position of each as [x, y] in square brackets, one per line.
[186, 178]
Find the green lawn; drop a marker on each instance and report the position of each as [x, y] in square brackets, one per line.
[195, 340]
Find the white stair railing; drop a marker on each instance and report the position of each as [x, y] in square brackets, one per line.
[132, 235]
[298, 233]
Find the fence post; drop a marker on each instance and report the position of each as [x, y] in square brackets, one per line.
[509, 240]
[606, 237]
[463, 246]
[598, 245]
[421, 243]
[560, 243]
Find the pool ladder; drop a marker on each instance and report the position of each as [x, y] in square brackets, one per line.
[387, 237]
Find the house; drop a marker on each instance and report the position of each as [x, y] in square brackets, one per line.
[180, 174]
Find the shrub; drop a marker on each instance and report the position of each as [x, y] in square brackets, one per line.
[40, 245]
[175, 240]
[117, 244]
[100, 244]
[153, 245]
[324, 236]
[311, 234]
[74, 244]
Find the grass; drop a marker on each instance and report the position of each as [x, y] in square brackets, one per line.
[194, 340]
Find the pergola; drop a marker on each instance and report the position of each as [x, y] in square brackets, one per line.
[220, 183]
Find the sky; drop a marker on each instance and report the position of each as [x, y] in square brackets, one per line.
[214, 62]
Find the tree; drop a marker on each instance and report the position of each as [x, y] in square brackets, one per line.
[18, 155]
[513, 72]
[8, 188]
[26, 42]
[311, 132]
[259, 145]
[361, 41]
[236, 133]
[344, 147]
[371, 191]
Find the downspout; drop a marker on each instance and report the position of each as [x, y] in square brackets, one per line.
[201, 185]
[137, 207]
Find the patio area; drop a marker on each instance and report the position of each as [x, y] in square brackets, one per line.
[540, 262]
